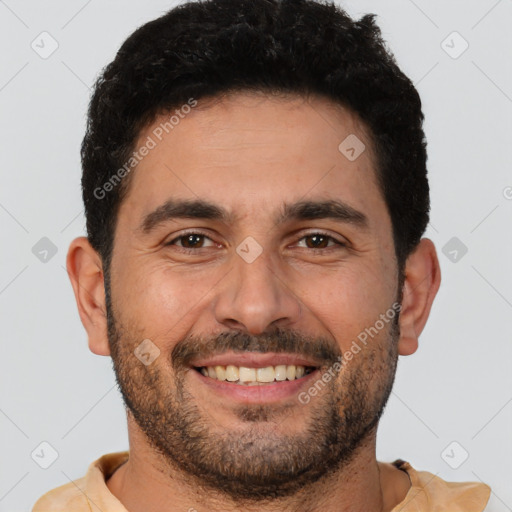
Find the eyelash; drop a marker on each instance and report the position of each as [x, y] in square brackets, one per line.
[196, 232]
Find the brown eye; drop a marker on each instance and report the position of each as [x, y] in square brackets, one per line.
[192, 241]
[316, 241]
[320, 241]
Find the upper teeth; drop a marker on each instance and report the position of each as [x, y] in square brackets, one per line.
[245, 375]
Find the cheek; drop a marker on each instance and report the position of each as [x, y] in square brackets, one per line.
[350, 300]
[159, 298]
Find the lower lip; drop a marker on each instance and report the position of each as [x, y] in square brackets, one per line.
[261, 394]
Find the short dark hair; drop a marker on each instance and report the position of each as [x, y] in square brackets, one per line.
[209, 48]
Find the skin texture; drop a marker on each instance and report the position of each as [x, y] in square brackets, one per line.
[190, 447]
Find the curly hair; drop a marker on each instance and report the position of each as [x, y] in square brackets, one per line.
[208, 48]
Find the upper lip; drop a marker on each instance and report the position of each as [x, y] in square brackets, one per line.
[253, 360]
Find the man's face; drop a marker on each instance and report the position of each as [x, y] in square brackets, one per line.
[267, 285]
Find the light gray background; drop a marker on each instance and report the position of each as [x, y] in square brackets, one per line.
[457, 387]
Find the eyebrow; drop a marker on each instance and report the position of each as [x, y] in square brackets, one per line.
[300, 210]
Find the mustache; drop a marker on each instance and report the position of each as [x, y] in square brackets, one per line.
[321, 350]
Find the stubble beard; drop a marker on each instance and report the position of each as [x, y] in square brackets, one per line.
[257, 462]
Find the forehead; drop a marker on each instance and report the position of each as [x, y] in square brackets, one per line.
[249, 151]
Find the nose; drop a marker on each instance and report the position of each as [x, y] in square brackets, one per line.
[255, 297]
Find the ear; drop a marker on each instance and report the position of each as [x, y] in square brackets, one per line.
[85, 271]
[422, 280]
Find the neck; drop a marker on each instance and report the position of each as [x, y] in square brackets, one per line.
[363, 484]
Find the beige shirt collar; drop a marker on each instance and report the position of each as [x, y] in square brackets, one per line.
[428, 493]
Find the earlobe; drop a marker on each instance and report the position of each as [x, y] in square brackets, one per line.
[422, 280]
[85, 271]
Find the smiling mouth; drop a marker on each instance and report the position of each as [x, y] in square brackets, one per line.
[246, 376]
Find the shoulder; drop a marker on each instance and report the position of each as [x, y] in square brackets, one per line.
[428, 492]
[78, 495]
[63, 498]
